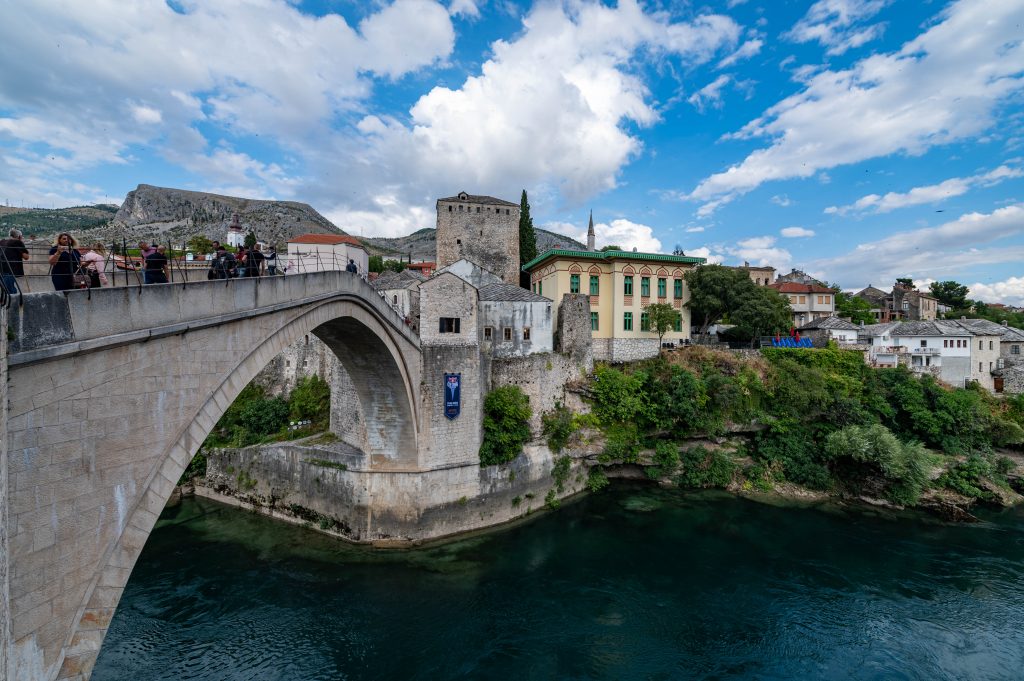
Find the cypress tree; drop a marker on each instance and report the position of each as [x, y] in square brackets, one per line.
[527, 236]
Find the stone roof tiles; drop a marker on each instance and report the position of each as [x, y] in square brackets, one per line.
[510, 293]
[475, 198]
[829, 323]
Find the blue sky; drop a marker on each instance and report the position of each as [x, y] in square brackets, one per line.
[859, 140]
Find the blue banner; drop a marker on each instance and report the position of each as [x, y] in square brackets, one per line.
[452, 395]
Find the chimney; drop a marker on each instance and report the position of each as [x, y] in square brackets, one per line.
[862, 323]
[1006, 323]
[963, 319]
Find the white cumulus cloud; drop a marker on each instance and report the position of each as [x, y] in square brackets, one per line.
[796, 232]
[941, 87]
[928, 194]
[838, 24]
[1009, 291]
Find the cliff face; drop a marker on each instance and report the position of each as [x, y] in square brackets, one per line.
[175, 215]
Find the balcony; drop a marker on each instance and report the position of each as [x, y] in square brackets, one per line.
[926, 351]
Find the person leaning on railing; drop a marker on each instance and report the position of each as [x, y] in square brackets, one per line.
[12, 255]
[93, 263]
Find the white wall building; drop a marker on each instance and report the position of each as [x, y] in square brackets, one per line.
[949, 350]
[324, 252]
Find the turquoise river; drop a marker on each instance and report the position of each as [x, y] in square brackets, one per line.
[632, 583]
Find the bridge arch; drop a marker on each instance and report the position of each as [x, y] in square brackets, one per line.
[98, 496]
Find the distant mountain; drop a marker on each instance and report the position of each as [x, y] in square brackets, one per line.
[422, 244]
[49, 222]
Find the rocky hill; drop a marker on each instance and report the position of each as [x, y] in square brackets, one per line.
[422, 244]
[49, 222]
[175, 215]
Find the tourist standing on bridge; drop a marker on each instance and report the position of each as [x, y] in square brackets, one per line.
[223, 265]
[271, 261]
[65, 261]
[156, 266]
[254, 264]
[240, 261]
[145, 250]
[351, 267]
[12, 253]
[93, 263]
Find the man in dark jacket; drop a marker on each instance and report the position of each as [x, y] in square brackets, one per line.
[12, 256]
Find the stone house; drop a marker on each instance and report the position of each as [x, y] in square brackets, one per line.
[762, 276]
[807, 301]
[902, 303]
[509, 321]
[481, 229]
[322, 252]
[1011, 340]
[402, 291]
[796, 276]
[620, 284]
[949, 350]
[831, 328]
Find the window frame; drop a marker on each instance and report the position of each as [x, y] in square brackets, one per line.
[574, 283]
[627, 321]
[627, 285]
[595, 284]
[645, 287]
[662, 287]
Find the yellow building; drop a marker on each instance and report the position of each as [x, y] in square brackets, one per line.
[620, 284]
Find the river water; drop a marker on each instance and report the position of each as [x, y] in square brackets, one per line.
[633, 583]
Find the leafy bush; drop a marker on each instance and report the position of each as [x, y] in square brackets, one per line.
[264, 416]
[560, 472]
[703, 468]
[596, 479]
[311, 399]
[666, 460]
[903, 465]
[619, 396]
[506, 425]
[558, 426]
[965, 477]
[794, 447]
[622, 443]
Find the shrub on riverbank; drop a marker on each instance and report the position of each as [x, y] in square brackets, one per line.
[255, 417]
[506, 425]
[821, 418]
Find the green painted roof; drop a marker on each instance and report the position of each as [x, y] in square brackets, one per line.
[612, 255]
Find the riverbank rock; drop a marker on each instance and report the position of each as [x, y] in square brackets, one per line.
[948, 505]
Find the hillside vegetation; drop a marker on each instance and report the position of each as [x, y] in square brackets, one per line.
[817, 418]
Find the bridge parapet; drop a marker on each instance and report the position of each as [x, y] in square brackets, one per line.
[52, 323]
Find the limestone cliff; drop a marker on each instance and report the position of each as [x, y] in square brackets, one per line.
[175, 215]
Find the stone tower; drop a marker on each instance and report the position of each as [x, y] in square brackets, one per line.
[590, 233]
[482, 229]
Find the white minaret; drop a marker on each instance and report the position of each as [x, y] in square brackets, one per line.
[590, 233]
[235, 236]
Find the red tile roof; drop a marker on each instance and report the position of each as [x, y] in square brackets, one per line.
[791, 287]
[421, 266]
[326, 239]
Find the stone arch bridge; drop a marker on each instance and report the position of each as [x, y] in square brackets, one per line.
[112, 392]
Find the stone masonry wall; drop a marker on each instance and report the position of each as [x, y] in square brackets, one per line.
[485, 234]
[306, 357]
[625, 349]
[448, 442]
[543, 378]
[574, 335]
[309, 483]
[446, 295]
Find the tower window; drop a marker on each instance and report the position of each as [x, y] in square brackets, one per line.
[488, 333]
[449, 325]
[449, 209]
[507, 331]
[478, 209]
[506, 211]
[458, 241]
[526, 333]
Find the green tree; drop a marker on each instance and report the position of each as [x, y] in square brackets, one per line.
[906, 281]
[662, 318]
[714, 290]
[609, 247]
[527, 235]
[250, 239]
[856, 309]
[376, 263]
[950, 293]
[200, 244]
[760, 310]
[393, 265]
